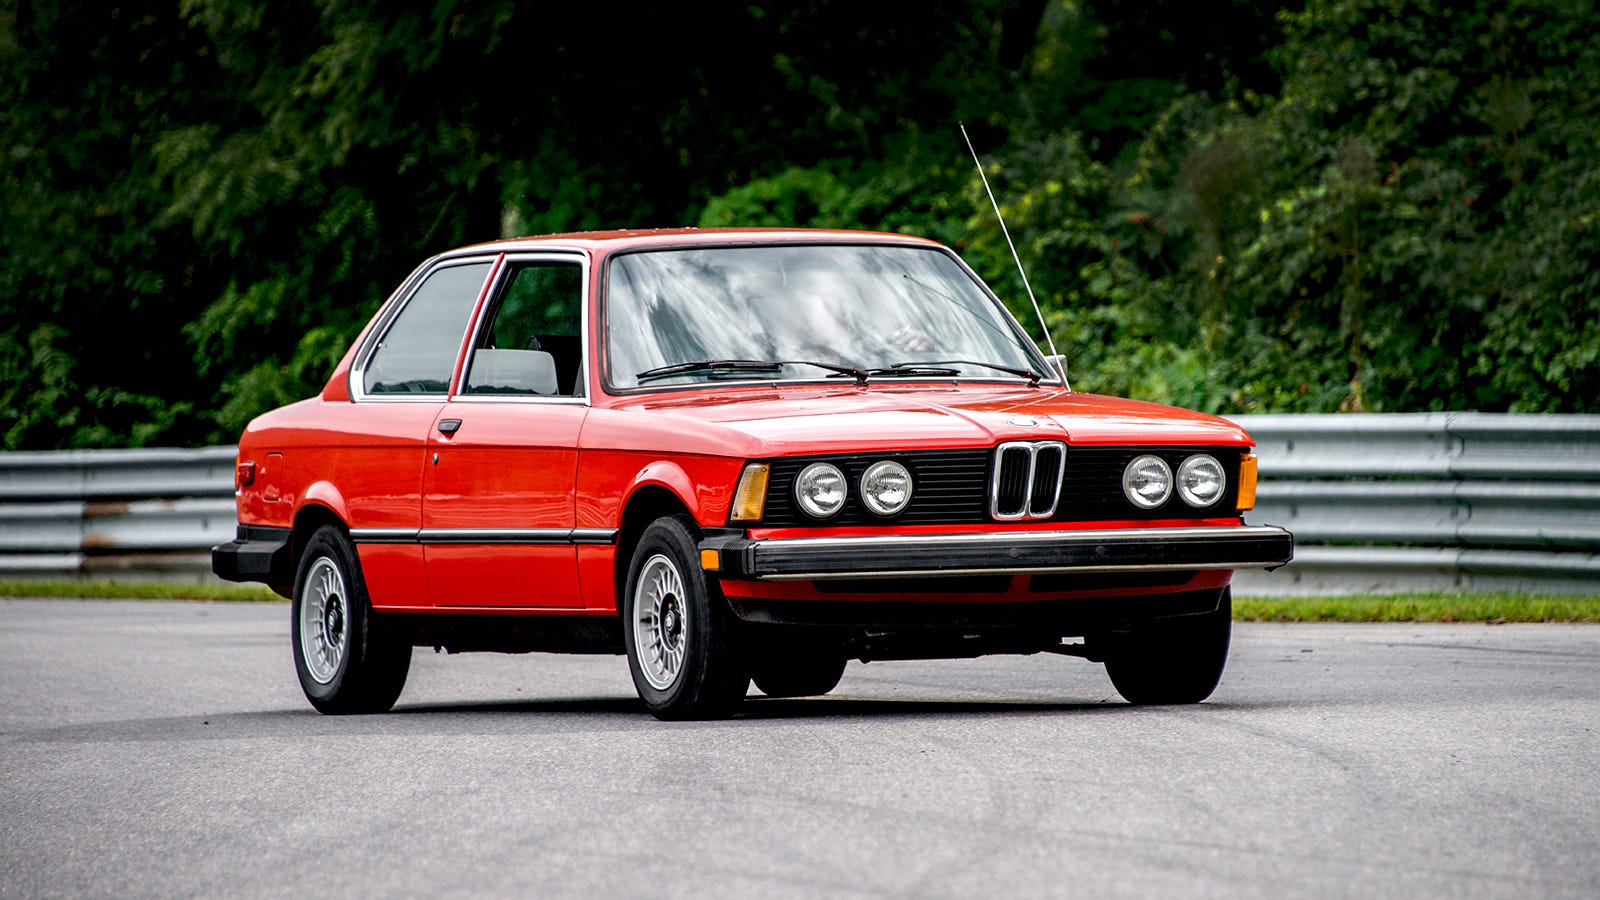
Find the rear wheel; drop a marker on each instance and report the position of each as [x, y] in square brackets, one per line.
[1173, 661]
[678, 630]
[347, 659]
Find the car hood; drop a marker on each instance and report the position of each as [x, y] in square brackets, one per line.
[786, 421]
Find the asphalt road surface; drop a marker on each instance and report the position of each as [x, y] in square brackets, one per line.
[165, 749]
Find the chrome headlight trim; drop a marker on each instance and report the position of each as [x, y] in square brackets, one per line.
[1147, 481]
[1197, 473]
[886, 488]
[820, 490]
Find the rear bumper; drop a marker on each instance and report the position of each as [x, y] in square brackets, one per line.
[260, 553]
[1002, 553]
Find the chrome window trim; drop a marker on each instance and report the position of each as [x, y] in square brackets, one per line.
[387, 311]
[358, 368]
[840, 381]
[457, 390]
[1025, 341]
[521, 398]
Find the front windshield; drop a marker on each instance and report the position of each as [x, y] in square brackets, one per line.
[762, 311]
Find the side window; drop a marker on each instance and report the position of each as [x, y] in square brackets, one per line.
[418, 352]
[533, 343]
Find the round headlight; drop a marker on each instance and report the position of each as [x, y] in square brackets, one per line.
[1201, 481]
[886, 487]
[820, 490]
[1147, 482]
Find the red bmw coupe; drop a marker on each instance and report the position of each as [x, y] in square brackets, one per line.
[734, 456]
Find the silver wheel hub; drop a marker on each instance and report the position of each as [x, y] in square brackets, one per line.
[660, 626]
[324, 637]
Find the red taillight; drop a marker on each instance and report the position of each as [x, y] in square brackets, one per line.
[246, 475]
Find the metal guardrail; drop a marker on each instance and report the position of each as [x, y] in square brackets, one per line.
[1433, 501]
[104, 513]
[1430, 501]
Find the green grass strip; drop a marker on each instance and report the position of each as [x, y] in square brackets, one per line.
[1438, 607]
[140, 590]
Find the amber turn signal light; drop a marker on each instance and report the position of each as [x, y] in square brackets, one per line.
[750, 500]
[1247, 482]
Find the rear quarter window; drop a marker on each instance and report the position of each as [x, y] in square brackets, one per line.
[417, 352]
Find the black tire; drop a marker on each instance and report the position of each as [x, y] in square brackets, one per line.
[355, 664]
[1174, 661]
[682, 649]
[795, 672]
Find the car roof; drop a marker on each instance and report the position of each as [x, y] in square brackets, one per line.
[631, 239]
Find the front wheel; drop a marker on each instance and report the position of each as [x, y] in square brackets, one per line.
[795, 672]
[348, 661]
[1175, 661]
[678, 630]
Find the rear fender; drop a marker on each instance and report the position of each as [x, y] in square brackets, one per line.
[324, 494]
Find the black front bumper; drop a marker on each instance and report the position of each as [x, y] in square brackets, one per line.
[260, 553]
[999, 553]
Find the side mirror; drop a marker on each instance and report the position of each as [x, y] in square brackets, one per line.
[1058, 364]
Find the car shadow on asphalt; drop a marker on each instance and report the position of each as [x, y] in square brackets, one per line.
[757, 708]
[438, 717]
[824, 707]
[573, 706]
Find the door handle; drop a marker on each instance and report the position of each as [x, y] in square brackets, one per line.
[449, 426]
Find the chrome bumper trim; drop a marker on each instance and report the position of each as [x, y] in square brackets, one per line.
[1004, 553]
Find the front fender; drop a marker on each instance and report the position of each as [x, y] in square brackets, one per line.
[671, 476]
[610, 480]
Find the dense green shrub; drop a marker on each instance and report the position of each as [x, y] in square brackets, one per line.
[1409, 224]
[1347, 205]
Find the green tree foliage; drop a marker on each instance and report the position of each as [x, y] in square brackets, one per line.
[1350, 204]
[89, 299]
[1408, 223]
[207, 198]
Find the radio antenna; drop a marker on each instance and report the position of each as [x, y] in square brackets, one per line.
[1007, 232]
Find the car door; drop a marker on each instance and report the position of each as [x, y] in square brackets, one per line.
[398, 385]
[498, 512]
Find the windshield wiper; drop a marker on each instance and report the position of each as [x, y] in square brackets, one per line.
[913, 370]
[940, 367]
[742, 365]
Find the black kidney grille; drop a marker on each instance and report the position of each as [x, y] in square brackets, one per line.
[1048, 470]
[1027, 480]
[1011, 486]
[952, 487]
